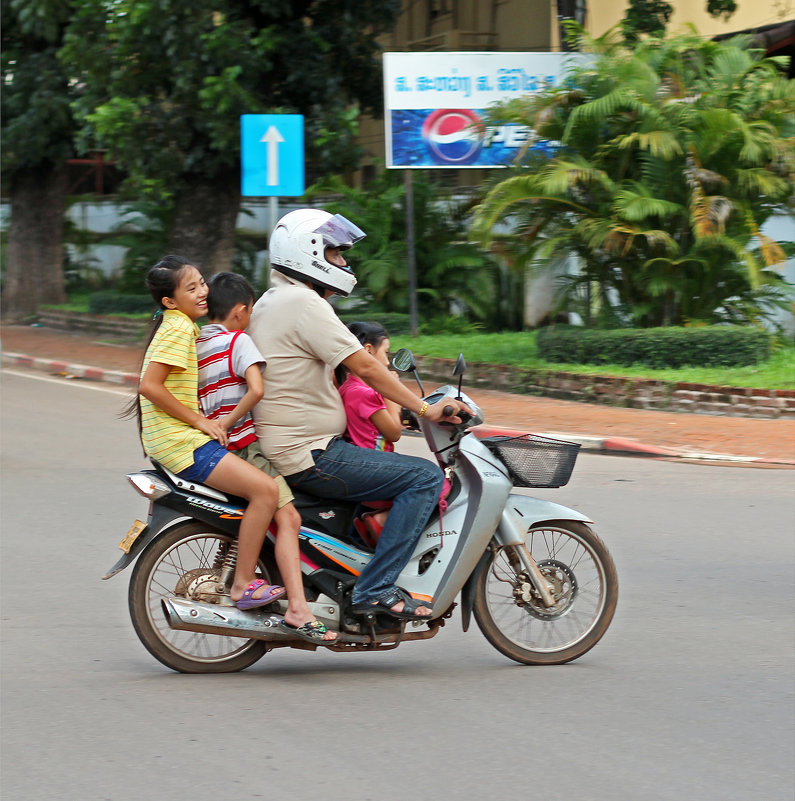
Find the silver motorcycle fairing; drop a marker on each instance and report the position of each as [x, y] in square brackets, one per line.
[469, 524]
[523, 511]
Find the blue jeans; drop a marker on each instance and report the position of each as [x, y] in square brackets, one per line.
[346, 471]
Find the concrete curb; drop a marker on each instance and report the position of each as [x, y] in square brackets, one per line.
[68, 370]
[618, 446]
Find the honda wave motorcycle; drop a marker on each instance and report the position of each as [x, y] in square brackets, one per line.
[541, 584]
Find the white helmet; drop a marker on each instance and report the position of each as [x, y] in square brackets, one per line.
[298, 243]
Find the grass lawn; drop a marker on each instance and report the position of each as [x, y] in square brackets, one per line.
[519, 349]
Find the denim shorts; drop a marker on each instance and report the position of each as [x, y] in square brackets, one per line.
[205, 460]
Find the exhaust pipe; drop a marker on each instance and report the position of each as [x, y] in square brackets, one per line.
[230, 621]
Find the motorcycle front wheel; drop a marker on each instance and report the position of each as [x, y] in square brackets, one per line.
[162, 571]
[580, 570]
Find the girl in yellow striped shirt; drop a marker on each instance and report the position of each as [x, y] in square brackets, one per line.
[176, 434]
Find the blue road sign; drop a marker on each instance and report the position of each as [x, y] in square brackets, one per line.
[272, 155]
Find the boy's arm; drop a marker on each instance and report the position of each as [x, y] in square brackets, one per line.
[255, 389]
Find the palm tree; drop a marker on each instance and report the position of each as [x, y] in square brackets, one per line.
[669, 159]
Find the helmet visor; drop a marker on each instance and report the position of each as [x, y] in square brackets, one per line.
[339, 232]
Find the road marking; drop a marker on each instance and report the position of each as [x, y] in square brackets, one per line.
[67, 382]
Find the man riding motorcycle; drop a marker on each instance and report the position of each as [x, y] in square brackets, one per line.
[301, 419]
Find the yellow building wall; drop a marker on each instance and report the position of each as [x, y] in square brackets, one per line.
[603, 14]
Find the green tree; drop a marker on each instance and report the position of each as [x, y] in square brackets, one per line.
[453, 276]
[669, 160]
[652, 16]
[645, 16]
[37, 131]
[164, 82]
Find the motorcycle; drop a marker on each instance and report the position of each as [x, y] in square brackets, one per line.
[540, 583]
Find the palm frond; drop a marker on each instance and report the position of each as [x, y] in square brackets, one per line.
[637, 204]
[600, 108]
[663, 144]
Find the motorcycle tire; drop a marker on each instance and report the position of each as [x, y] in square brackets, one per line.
[157, 572]
[585, 588]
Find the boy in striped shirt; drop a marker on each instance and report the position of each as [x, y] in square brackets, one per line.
[231, 384]
[230, 374]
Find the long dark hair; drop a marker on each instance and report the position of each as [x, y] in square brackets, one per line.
[371, 334]
[162, 281]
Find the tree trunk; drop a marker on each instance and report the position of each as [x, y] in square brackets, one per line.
[34, 271]
[205, 216]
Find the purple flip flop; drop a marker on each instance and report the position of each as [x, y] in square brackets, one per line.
[273, 593]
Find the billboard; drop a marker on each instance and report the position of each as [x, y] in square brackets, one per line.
[434, 105]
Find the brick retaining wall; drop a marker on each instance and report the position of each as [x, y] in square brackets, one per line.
[637, 393]
[120, 327]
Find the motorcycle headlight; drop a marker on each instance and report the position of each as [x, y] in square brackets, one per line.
[151, 487]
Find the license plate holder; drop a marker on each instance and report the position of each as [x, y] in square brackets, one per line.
[132, 535]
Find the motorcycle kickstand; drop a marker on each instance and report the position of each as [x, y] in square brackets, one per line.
[369, 621]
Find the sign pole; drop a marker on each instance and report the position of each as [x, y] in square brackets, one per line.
[273, 205]
[410, 254]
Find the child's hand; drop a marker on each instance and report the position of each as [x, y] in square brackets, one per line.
[214, 429]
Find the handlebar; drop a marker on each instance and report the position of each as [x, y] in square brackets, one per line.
[465, 416]
[410, 420]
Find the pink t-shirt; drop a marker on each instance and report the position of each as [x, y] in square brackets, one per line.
[361, 403]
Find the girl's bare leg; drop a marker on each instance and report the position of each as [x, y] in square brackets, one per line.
[288, 522]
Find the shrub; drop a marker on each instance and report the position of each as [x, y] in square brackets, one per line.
[396, 324]
[117, 303]
[710, 346]
[449, 324]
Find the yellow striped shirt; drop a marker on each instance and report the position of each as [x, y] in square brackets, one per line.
[165, 438]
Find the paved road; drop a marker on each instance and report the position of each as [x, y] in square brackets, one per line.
[688, 696]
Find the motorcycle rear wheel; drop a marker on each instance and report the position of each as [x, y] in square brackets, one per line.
[157, 572]
[585, 583]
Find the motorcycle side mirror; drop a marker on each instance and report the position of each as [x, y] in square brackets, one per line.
[403, 361]
[459, 370]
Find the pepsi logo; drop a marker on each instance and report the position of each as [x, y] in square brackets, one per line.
[454, 136]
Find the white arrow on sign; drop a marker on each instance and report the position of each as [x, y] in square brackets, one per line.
[273, 139]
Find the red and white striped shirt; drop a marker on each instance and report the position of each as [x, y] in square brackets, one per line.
[224, 356]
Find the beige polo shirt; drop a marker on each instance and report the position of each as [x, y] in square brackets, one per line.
[302, 340]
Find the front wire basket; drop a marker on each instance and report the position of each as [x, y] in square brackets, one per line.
[534, 461]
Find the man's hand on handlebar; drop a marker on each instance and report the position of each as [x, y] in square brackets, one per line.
[448, 410]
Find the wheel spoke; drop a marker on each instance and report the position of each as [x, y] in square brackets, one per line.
[576, 565]
[197, 552]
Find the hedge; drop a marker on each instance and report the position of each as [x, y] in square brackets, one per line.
[710, 346]
[110, 302]
[395, 323]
